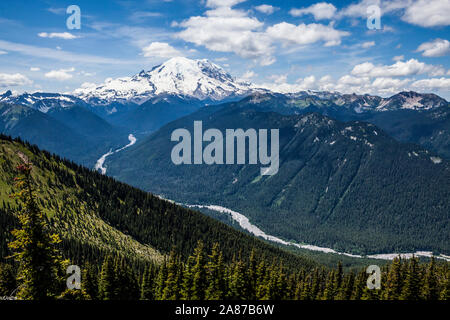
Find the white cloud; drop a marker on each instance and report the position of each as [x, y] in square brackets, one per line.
[320, 11]
[368, 44]
[248, 75]
[60, 55]
[306, 33]
[62, 35]
[435, 48]
[398, 69]
[425, 13]
[61, 74]
[434, 83]
[224, 29]
[428, 13]
[398, 58]
[34, 69]
[278, 78]
[387, 83]
[160, 50]
[222, 3]
[3, 52]
[265, 8]
[16, 79]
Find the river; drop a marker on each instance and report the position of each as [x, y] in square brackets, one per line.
[245, 224]
[100, 164]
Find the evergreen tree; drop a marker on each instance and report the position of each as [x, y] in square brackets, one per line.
[215, 275]
[35, 248]
[411, 290]
[199, 273]
[171, 290]
[89, 281]
[188, 279]
[147, 284]
[7, 279]
[106, 283]
[430, 290]
[394, 281]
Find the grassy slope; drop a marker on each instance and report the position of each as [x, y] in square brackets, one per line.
[70, 217]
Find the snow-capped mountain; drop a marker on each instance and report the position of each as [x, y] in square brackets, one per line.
[41, 101]
[199, 79]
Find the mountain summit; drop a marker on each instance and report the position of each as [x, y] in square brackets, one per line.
[200, 79]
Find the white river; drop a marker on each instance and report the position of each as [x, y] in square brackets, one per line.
[245, 224]
[100, 165]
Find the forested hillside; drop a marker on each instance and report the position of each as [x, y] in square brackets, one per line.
[94, 213]
[343, 185]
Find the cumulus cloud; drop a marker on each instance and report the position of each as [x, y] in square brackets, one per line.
[225, 29]
[434, 83]
[265, 8]
[16, 79]
[425, 13]
[320, 11]
[435, 48]
[398, 69]
[61, 74]
[160, 50]
[62, 35]
[306, 33]
[428, 13]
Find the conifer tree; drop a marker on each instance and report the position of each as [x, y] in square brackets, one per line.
[199, 273]
[161, 281]
[171, 289]
[411, 290]
[7, 280]
[147, 284]
[106, 283]
[89, 281]
[394, 281]
[215, 275]
[188, 279]
[35, 248]
[430, 290]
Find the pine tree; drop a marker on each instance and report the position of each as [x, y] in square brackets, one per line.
[215, 275]
[199, 273]
[35, 248]
[238, 281]
[7, 280]
[161, 281]
[188, 279]
[394, 281]
[106, 283]
[430, 290]
[171, 289]
[330, 290]
[147, 284]
[89, 281]
[411, 290]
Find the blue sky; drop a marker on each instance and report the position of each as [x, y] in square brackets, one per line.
[282, 45]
